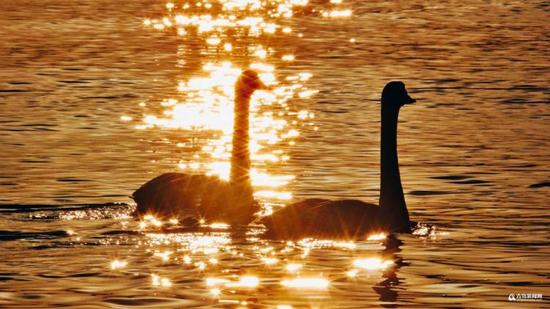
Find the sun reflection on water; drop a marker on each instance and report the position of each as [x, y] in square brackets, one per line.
[165, 255]
[244, 282]
[293, 267]
[307, 283]
[214, 255]
[378, 236]
[254, 17]
[231, 270]
[230, 28]
[118, 264]
[208, 106]
[228, 31]
[159, 281]
[374, 263]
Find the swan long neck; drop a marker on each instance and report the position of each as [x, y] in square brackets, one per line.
[240, 155]
[392, 199]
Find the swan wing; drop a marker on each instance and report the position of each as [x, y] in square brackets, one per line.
[172, 195]
[323, 218]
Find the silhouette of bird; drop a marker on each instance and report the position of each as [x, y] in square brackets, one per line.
[195, 197]
[353, 218]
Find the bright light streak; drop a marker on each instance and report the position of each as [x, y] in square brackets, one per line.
[372, 263]
[308, 283]
[117, 264]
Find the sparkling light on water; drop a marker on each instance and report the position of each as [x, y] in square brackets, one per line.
[204, 107]
[245, 282]
[306, 283]
[206, 100]
[379, 236]
[71, 85]
[117, 264]
[159, 281]
[372, 263]
[293, 267]
[209, 106]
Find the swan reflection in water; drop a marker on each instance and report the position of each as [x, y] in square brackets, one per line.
[387, 288]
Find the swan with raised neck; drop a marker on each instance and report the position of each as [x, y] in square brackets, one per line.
[392, 200]
[247, 83]
[198, 196]
[353, 218]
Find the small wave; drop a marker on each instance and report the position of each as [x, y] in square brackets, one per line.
[426, 192]
[540, 185]
[13, 90]
[19, 83]
[67, 212]
[424, 230]
[451, 177]
[18, 208]
[8, 183]
[15, 235]
[75, 81]
[522, 101]
[150, 301]
[71, 179]
[120, 232]
[471, 182]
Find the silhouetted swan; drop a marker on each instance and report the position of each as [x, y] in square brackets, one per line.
[353, 218]
[182, 195]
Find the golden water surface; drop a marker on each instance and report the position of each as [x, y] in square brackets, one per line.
[97, 97]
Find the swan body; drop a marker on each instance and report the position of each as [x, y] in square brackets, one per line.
[193, 196]
[353, 218]
[190, 198]
[323, 218]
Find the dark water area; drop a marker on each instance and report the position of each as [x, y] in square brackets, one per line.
[79, 81]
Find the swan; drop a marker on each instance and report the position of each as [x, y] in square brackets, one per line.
[194, 197]
[353, 218]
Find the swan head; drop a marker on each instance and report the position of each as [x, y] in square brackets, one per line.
[395, 94]
[248, 82]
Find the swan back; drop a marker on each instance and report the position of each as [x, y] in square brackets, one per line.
[179, 195]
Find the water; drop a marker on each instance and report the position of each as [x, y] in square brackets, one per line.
[473, 152]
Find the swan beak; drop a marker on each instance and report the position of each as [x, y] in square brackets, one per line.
[410, 100]
[263, 86]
